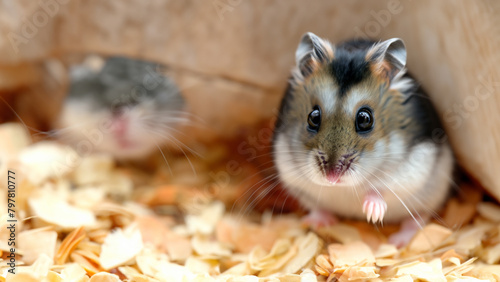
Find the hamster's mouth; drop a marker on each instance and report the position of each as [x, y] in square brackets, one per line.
[334, 176]
[125, 143]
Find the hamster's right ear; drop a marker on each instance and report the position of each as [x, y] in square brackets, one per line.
[312, 51]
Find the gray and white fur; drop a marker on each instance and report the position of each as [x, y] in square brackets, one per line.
[357, 137]
[126, 108]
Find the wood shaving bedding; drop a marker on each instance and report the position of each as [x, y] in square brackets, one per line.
[84, 219]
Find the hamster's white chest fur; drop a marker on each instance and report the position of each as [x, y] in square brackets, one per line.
[412, 185]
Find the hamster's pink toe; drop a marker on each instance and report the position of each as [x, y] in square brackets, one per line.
[319, 218]
[409, 228]
[401, 238]
[374, 207]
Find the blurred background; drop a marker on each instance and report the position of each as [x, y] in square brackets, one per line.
[231, 60]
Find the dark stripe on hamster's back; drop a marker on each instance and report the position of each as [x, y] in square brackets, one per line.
[422, 109]
[350, 66]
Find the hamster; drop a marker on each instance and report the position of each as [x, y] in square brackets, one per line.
[125, 108]
[356, 135]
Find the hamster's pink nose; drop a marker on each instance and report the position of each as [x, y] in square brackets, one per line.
[119, 126]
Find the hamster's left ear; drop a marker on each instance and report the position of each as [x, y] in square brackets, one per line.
[387, 58]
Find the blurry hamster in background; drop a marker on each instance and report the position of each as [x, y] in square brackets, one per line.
[121, 106]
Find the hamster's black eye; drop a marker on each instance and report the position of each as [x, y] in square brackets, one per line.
[314, 119]
[364, 120]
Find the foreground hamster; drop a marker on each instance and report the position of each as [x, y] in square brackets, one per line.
[125, 108]
[356, 136]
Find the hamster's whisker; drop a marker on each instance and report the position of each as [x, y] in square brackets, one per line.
[419, 201]
[250, 203]
[165, 127]
[165, 119]
[255, 174]
[175, 141]
[253, 191]
[292, 142]
[262, 193]
[264, 181]
[274, 177]
[353, 175]
[281, 151]
[284, 201]
[55, 132]
[184, 117]
[396, 156]
[371, 184]
[164, 158]
[16, 114]
[402, 187]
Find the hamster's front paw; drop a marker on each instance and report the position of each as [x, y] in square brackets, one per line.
[319, 218]
[374, 207]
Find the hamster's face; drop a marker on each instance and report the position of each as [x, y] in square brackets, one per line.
[123, 117]
[340, 120]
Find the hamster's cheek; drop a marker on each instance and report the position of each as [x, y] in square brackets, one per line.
[78, 125]
[314, 171]
[292, 162]
[386, 154]
[372, 160]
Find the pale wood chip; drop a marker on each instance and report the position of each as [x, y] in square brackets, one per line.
[342, 233]
[470, 238]
[88, 255]
[354, 253]
[33, 243]
[431, 271]
[90, 267]
[178, 247]
[133, 275]
[69, 244]
[57, 211]
[486, 272]
[74, 272]
[208, 249]
[491, 255]
[308, 247]
[323, 265]
[35, 272]
[359, 273]
[93, 169]
[386, 250]
[259, 260]
[429, 238]
[307, 275]
[458, 214]
[121, 246]
[104, 277]
[13, 139]
[200, 266]
[240, 269]
[46, 160]
[206, 221]
[489, 211]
